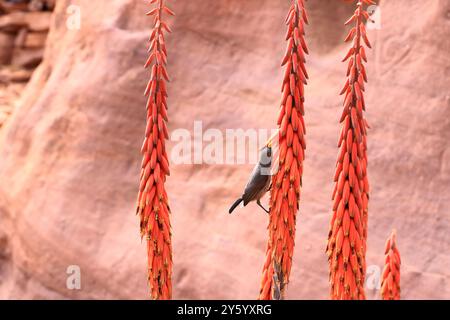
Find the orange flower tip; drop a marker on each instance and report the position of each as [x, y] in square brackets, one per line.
[169, 11]
[152, 12]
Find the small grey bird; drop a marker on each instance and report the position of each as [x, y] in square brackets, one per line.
[259, 182]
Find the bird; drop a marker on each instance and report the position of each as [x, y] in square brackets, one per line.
[259, 181]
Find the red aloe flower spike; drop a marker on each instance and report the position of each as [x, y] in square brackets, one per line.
[286, 183]
[347, 238]
[390, 284]
[152, 204]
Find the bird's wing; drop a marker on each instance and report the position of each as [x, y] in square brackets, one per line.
[256, 186]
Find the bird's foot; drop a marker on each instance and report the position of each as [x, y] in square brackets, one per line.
[259, 204]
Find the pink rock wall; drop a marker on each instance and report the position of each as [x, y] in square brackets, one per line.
[70, 159]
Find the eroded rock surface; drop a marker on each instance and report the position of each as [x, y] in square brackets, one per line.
[69, 161]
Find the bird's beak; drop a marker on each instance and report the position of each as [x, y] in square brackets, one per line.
[269, 142]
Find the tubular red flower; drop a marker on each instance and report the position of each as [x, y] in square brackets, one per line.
[286, 183]
[152, 205]
[346, 248]
[390, 284]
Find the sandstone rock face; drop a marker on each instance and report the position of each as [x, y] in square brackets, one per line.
[69, 163]
[34, 21]
[23, 31]
[6, 48]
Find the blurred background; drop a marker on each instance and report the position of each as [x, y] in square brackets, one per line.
[72, 120]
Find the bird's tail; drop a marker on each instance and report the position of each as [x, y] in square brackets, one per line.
[235, 204]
